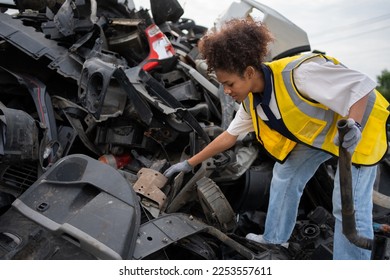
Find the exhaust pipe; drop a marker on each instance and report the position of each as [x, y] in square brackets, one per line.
[347, 205]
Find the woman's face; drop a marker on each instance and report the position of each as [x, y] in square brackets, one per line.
[235, 85]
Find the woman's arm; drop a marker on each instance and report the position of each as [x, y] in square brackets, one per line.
[357, 110]
[223, 142]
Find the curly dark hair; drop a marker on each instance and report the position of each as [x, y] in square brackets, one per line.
[239, 43]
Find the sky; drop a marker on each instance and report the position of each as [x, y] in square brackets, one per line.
[356, 32]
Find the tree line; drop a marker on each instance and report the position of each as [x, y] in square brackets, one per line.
[384, 84]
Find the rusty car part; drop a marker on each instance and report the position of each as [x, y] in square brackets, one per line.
[149, 185]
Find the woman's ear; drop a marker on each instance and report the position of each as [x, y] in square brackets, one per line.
[249, 72]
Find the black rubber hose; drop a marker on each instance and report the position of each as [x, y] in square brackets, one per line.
[347, 205]
[243, 251]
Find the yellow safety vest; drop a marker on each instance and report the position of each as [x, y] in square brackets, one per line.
[314, 124]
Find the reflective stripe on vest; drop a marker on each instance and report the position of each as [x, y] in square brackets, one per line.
[277, 146]
[316, 125]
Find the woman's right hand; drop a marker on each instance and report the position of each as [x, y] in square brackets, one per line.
[182, 166]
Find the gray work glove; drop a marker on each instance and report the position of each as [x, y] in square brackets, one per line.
[182, 166]
[351, 138]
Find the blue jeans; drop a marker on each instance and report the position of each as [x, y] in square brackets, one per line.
[288, 182]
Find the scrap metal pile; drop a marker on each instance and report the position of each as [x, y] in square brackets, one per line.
[97, 100]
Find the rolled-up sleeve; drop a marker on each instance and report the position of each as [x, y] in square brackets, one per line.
[332, 85]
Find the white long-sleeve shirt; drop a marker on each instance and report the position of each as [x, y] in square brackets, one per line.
[334, 86]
